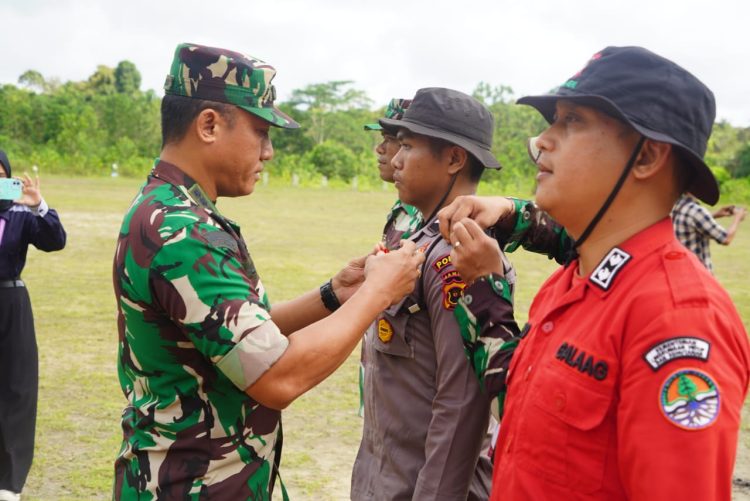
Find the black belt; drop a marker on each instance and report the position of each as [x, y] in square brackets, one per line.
[7, 284]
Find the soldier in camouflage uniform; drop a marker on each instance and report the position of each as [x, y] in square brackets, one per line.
[403, 219]
[205, 362]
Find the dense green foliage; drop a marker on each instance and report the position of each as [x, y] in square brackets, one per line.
[85, 127]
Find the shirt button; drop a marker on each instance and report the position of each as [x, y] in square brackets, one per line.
[674, 255]
[560, 401]
[499, 286]
[468, 299]
[547, 327]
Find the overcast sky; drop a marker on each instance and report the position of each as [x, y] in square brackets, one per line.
[389, 48]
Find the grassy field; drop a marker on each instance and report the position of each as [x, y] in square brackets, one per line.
[298, 238]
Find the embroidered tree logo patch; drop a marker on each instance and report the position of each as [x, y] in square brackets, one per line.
[690, 399]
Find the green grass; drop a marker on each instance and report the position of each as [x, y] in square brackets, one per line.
[298, 238]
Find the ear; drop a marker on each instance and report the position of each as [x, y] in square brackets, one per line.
[653, 158]
[457, 159]
[207, 124]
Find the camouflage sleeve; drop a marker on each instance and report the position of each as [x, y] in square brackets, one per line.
[200, 283]
[534, 230]
[490, 334]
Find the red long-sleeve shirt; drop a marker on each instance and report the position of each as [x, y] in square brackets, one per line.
[629, 383]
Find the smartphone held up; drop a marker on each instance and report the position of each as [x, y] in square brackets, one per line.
[10, 188]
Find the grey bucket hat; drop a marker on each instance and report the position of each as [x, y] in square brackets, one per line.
[452, 116]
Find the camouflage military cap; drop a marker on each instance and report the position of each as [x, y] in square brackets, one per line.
[226, 76]
[394, 110]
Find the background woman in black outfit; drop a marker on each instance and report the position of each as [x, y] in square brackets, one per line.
[25, 221]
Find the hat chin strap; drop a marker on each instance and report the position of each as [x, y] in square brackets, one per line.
[573, 252]
[442, 200]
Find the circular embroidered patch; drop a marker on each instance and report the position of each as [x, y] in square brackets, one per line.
[690, 399]
[385, 330]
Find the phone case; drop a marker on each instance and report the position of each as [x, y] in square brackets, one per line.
[10, 189]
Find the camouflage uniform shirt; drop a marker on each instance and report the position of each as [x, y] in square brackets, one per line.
[194, 333]
[403, 220]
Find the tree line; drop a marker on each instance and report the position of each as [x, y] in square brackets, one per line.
[83, 127]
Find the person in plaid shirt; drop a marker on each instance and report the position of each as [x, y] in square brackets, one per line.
[694, 225]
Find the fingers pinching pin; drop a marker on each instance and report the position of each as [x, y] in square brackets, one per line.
[457, 244]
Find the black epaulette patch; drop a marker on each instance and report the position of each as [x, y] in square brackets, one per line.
[608, 268]
[199, 197]
[221, 239]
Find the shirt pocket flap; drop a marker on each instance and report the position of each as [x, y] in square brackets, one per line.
[578, 403]
[389, 334]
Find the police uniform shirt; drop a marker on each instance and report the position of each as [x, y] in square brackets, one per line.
[425, 415]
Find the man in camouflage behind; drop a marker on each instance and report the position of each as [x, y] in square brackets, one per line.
[403, 219]
[205, 362]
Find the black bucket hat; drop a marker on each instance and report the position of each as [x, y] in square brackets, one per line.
[452, 116]
[656, 97]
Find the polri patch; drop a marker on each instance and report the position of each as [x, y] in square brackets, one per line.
[385, 330]
[676, 348]
[690, 400]
[608, 268]
[442, 262]
[453, 285]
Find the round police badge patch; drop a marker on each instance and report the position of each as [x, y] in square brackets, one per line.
[385, 330]
[690, 399]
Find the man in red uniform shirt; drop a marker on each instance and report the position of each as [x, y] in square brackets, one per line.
[630, 376]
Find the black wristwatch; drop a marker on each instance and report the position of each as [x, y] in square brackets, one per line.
[330, 301]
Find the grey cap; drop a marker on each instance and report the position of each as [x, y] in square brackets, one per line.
[452, 116]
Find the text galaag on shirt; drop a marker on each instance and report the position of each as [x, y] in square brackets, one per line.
[584, 362]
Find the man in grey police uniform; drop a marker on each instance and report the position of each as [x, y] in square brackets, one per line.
[425, 415]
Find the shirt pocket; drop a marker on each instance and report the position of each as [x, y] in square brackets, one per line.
[568, 433]
[390, 336]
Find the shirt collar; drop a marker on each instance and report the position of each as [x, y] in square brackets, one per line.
[430, 229]
[170, 173]
[636, 247]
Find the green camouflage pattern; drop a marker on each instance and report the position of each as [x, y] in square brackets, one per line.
[536, 232]
[226, 76]
[402, 222]
[194, 332]
[395, 110]
[490, 339]
[488, 351]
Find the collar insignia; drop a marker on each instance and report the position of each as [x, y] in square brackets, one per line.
[604, 274]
